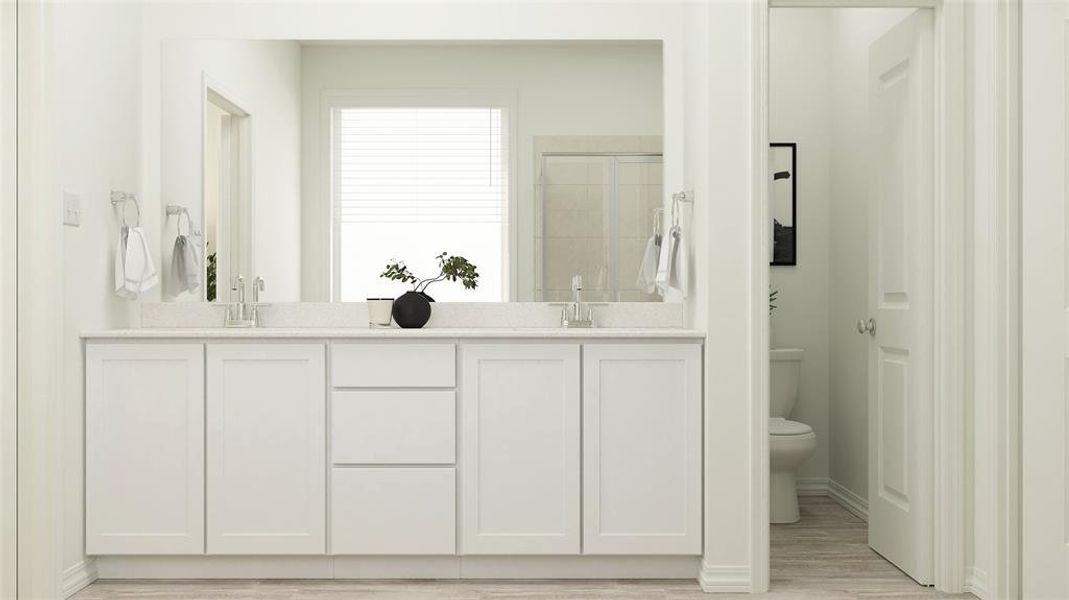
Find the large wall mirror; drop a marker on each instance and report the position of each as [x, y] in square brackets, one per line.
[313, 164]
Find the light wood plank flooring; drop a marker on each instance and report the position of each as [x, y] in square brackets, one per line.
[824, 556]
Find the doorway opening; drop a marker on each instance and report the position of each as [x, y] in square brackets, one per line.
[227, 194]
[851, 203]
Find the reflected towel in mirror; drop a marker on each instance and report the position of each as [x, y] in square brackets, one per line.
[647, 271]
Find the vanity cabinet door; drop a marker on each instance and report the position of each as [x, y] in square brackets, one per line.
[144, 449]
[520, 449]
[642, 449]
[266, 449]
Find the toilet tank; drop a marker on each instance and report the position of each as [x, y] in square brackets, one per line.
[786, 369]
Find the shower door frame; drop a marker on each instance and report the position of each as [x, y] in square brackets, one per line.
[613, 213]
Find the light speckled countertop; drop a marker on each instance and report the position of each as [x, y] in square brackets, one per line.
[396, 333]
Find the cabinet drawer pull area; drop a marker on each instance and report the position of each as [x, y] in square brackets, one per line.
[393, 365]
[393, 427]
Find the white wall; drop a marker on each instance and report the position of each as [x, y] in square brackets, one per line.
[263, 78]
[94, 109]
[8, 393]
[800, 111]
[1044, 284]
[731, 298]
[605, 88]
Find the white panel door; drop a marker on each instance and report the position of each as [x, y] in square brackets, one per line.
[642, 447]
[266, 416]
[520, 449]
[1045, 318]
[900, 295]
[144, 449]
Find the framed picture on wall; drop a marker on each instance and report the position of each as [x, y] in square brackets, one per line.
[783, 199]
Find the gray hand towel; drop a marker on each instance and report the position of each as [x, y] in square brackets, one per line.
[185, 266]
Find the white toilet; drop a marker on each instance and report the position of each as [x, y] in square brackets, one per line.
[790, 443]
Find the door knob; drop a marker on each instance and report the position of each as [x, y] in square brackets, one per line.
[869, 326]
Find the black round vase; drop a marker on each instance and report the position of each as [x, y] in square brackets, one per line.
[412, 310]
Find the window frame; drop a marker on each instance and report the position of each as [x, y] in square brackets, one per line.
[333, 100]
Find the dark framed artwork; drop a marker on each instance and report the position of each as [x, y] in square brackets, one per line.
[783, 198]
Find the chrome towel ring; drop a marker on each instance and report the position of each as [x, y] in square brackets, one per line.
[123, 198]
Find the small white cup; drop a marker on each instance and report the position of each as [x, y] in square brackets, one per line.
[379, 311]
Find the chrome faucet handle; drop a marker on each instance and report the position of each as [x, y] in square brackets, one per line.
[237, 284]
[257, 287]
[254, 308]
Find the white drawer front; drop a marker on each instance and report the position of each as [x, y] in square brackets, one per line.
[393, 427]
[393, 511]
[394, 365]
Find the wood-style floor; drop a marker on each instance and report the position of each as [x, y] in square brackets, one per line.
[824, 556]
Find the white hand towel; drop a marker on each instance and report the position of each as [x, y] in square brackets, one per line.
[120, 265]
[150, 277]
[138, 269]
[672, 270]
[184, 275]
[680, 265]
[647, 271]
[664, 265]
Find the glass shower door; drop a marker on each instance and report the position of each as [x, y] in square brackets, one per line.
[595, 213]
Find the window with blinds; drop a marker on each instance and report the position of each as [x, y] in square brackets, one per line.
[409, 183]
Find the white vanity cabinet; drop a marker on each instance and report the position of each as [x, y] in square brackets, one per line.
[266, 448]
[144, 448]
[642, 412]
[428, 450]
[520, 448]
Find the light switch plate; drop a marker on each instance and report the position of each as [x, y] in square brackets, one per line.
[72, 209]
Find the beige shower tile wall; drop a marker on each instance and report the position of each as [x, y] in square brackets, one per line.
[640, 193]
[572, 231]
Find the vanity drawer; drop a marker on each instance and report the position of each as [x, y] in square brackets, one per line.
[393, 510]
[393, 365]
[393, 427]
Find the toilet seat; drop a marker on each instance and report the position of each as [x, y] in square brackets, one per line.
[779, 426]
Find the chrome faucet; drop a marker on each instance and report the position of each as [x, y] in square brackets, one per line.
[254, 308]
[240, 313]
[577, 314]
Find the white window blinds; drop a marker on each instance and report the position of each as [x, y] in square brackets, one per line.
[409, 165]
[411, 182]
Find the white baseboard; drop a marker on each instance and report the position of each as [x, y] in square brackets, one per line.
[848, 500]
[812, 486]
[719, 578]
[976, 582]
[76, 577]
[398, 567]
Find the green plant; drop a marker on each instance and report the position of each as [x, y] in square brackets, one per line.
[772, 295]
[451, 268]
[212, 270]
